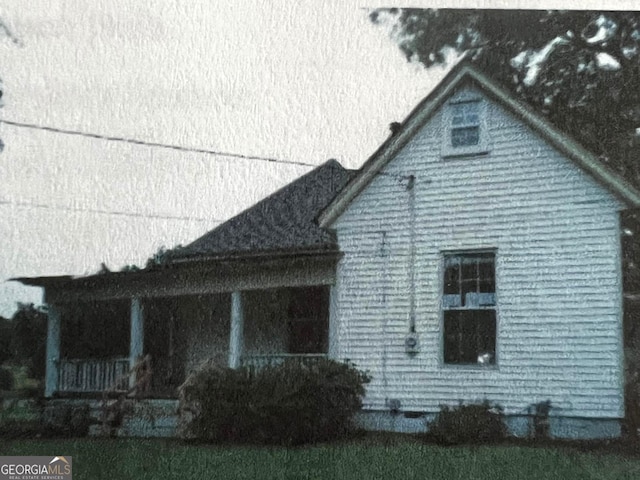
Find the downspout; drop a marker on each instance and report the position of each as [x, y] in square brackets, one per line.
[384, 254]
[411, 341]
[412, 253]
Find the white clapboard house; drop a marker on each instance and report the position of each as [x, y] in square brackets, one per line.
[475, 256]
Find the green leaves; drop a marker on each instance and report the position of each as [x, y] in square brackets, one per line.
[291, 403]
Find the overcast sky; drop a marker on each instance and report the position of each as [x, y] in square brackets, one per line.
[275, 79]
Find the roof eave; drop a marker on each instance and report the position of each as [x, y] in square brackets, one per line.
[178, 265]
[563, 142]
[42, 281]
[255, 255]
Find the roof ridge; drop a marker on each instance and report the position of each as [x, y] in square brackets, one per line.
[463, 71]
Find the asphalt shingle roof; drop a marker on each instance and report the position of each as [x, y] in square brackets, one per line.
[285, 220]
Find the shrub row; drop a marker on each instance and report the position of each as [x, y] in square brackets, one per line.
[474, 423]
[289, 404]
[6, 379]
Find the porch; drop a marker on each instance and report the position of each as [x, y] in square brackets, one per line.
[97, 347]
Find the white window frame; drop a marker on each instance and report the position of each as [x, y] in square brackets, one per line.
[482, 147]
[473, 302]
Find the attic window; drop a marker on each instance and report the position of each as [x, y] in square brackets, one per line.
[465, 124]
[465, 128]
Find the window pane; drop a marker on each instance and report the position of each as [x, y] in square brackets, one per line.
[472, 277]
[472, 118]
[487, 286]
[451, 280]
[457, 114]
[487, 269]
[469, 289]
[466, 136]
[469, 268]
[452, 337]
[486, 336]
[451, 301]
[470, 337]
[466, 113]
[486, 299]
[457, 119]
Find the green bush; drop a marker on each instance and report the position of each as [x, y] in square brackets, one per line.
[6, 379]
[30, 429]
[289, 404]
[474, 423]
[68, 421]
[29, 324]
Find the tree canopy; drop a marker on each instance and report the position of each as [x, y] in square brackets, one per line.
[29, 338]
[579, 68]
[6, 337]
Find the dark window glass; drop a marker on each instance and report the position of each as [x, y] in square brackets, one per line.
[465, 137]
[469, 273]
[468, 286]
[470, 336]
[452, 278]
[487, 286]
[487, 270]
[469, 268]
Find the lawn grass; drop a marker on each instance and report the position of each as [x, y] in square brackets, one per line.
[365, 458]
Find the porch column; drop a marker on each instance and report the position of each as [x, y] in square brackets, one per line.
[53, 350]
[235, 331]
[136, 343]
[332, 347]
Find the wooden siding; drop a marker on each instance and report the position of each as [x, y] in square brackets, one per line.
[555, 233]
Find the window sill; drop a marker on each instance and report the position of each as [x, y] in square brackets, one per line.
[471, 307]
[469, 367]
[462, 152]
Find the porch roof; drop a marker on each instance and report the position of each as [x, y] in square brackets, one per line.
[211, 275]
[273, 242]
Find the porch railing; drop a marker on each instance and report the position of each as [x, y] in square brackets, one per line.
[93, 375]
[261, 361]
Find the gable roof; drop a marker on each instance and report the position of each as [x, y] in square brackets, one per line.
[462, 73]
[284, 221]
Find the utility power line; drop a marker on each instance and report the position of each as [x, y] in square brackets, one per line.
[108, 212]
[179, 148]
[134, 141]
[144, 143]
